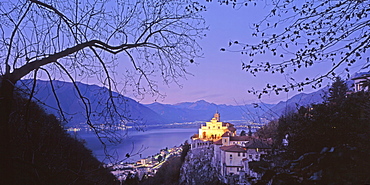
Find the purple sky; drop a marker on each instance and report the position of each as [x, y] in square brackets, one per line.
[218, 77]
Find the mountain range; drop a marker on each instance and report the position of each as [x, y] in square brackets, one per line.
[255, 112]
[98, 102]
[156, 113]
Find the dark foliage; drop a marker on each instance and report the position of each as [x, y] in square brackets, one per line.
[328, 125]
[335, 165]
[328, 143]
[168, 174]
[337, 92]
[43, 153]
[185, 150]
[243, 133]
[268, 131]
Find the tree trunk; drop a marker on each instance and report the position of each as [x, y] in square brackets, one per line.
[6, 100]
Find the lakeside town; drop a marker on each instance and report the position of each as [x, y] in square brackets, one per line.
[231, 153]
[145, 167]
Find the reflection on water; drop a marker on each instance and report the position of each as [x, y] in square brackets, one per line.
[151, 140]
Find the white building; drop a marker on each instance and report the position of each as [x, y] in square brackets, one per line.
[361, 81]
[232, 159]
[233, 153]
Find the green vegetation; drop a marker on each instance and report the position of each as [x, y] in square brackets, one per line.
[168, 174]
[43, 153]
[328, 142]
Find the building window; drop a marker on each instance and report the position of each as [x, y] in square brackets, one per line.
[243, 154]
[250, 157]
[231, 156]
[218, 127]
[238, 154]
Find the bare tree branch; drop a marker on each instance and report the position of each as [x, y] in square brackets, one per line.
[303, 34]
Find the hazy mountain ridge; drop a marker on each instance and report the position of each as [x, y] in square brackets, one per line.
[196, 111]
[157, 113]
[203, 111]
[97, 96]
[293, 103]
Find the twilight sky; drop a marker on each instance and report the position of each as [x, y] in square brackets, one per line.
[218, 77]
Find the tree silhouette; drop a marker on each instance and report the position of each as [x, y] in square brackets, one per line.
[338, 91]
[80, 39]
[44, 153]
[243, 133]
[322, 135]
[303, 34]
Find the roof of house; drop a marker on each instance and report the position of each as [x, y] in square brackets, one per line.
[232, 129]
[226, 134]
[225, 124]
[363, 75]
[240, 138]
[256, 143]
[233, 148]
[218, 142]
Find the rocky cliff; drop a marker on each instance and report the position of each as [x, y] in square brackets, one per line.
[197, 168]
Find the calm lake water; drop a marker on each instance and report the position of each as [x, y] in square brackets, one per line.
[146, 143]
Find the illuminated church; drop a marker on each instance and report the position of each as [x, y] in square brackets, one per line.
[231, 153]
[214, 129]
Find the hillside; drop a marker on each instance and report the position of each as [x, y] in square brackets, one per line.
[42, 152]
[202, 111]
[98, 98]
[292, 104]
[259, 113]
[155, 113]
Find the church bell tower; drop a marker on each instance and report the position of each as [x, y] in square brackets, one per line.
[217, 116]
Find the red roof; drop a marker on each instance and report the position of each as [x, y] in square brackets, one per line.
[218, 142]
[224, 124]
[226, 134]
[233, 148]
[240, 138]
[232, 129]
[256, 143]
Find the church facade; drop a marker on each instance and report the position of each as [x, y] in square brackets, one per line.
[214, 129]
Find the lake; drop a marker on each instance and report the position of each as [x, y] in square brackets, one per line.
[145, 143]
